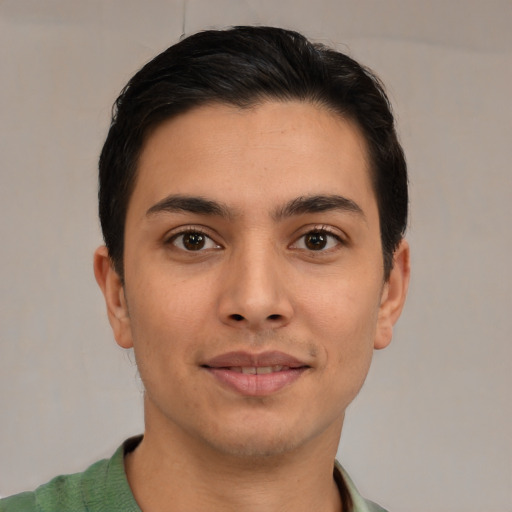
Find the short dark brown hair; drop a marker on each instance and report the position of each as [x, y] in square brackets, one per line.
[242, 66]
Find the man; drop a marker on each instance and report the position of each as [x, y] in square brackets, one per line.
[253, 201]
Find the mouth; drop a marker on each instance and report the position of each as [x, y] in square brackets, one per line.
[255, 374]
[258, 370]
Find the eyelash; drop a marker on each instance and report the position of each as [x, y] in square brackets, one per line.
[191, 231]
[320, 230]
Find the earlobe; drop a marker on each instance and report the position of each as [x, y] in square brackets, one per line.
[393, 296]
[113, 291]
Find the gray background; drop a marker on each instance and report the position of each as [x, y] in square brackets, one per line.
[431, 431]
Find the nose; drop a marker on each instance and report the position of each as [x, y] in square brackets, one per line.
[255, 294]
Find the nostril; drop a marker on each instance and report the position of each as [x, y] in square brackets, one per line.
[237, 318]
[274, 317]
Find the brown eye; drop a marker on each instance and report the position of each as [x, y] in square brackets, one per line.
[316, 240]
[193, 241]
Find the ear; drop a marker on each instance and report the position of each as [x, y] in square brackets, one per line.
[113, 291]
[393, 296]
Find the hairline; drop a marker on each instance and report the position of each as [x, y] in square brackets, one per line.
[253, 103]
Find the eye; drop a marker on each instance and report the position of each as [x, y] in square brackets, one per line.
[193, 241]
[317, 240]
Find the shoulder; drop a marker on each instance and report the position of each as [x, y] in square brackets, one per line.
[64, 492]
[373, 507]
[359, 504]
[103, 486]
[24, 502]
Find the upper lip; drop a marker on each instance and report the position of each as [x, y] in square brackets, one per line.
[246, 359]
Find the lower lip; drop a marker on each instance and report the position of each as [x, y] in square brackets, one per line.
[256, 385]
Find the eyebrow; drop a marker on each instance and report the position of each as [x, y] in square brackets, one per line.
[190, 204]
[318, 203]
[298, 206]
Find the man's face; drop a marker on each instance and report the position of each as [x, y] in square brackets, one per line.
[254, 291]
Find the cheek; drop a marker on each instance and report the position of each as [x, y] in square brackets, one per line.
[169, 318]
[164, 300]
[338, 304]
[343, 320]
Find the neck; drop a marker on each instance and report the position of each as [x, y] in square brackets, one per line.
[169, 471]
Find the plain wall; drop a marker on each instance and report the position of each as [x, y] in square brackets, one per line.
[431, 430]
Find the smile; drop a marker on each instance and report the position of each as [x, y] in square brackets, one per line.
[255, 374]
[258, 370]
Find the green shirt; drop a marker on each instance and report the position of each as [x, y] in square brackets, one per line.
[103, 487]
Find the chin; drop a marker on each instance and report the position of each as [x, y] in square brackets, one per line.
[267, 439]
[261, 446]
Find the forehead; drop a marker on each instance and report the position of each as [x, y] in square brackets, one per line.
[270, 152]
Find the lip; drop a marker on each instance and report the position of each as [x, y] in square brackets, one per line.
[279, 370]
[269, 358]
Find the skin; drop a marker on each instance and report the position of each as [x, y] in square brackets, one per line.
[262, 281]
